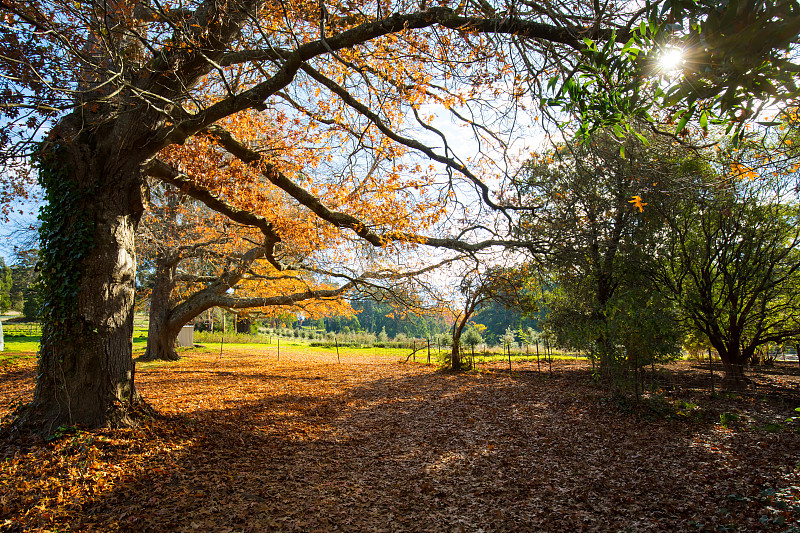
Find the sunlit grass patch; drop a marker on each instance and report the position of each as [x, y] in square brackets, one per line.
[16, 345]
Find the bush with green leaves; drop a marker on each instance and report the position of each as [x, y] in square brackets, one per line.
[509, 338]
[471, 337]
[383, 336]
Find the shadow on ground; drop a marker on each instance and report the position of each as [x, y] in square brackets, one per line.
[382, 446]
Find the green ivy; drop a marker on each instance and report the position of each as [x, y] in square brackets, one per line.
[67, 237]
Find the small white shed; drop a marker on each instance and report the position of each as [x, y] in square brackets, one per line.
[186, 336]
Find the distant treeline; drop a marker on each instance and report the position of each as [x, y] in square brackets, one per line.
[376, 317]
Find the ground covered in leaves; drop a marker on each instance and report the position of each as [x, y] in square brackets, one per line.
[248, 443]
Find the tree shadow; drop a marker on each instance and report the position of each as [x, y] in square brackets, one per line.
[778, 369]
[421, 451]
[15, 382]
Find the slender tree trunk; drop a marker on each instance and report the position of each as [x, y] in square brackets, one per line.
[455, 351]
[86, 371]
[711, 371]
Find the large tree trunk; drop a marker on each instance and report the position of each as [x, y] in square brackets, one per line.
[162, 333]
[734, 360]
[734, 379]
[167, 316]
[244, 325]
[86, 371]
[162, 337]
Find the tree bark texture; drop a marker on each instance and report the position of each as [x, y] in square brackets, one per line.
[86, 372]
[455, 353]
[244, 325]
[733, 360]
[161, 332]
[734, 379]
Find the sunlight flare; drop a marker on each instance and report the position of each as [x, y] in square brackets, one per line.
[671, 59]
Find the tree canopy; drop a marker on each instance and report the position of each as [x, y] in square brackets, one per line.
[731, 63]
[732, 263]
[601, 238]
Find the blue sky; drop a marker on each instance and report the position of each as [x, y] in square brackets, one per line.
[10, 234]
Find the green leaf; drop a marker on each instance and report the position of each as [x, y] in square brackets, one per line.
[684, 121]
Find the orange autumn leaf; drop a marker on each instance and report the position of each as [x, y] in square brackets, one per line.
[637, 202]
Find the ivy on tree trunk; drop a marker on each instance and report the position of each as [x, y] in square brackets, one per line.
[88, 263]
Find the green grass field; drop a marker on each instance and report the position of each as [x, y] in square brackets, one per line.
[22, 342]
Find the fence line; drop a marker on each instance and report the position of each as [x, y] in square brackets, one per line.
[22, 330]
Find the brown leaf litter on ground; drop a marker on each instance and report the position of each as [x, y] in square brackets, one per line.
[248, 443]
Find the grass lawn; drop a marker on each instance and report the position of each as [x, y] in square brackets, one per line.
[26, 346]
[249, 443]
[17, 347]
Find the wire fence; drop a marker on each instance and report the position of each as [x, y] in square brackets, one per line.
[30, 329]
